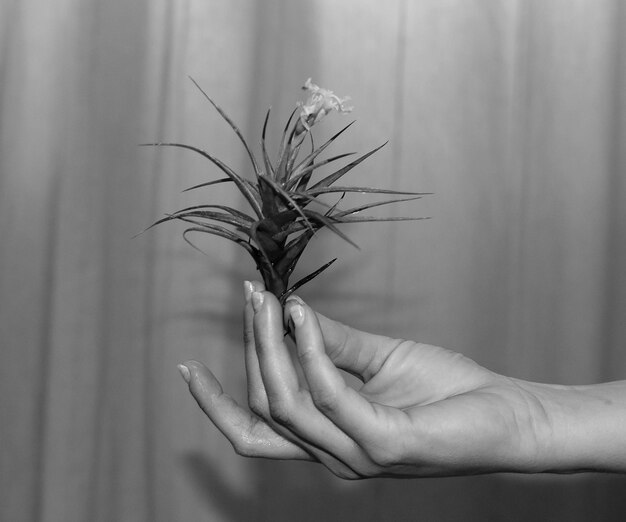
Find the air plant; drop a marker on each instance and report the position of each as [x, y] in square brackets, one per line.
[284, 198]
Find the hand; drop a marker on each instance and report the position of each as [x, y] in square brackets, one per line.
[421, 410]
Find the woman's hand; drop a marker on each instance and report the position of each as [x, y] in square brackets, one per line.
[420, 411]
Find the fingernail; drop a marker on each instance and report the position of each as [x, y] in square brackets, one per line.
[296, 299]
[248, 288]
[257, 300]
[184, 371]
[296, 312]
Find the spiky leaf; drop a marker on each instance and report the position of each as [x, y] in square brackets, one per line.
[282, 197]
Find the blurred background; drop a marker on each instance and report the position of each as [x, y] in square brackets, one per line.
[512, 112]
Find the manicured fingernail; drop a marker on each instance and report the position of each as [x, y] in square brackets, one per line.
[248, 288]
[296, 312]
[184, 371]
[257, 300]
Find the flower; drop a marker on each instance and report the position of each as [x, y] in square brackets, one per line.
[319, 104]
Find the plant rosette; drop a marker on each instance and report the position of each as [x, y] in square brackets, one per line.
[284, 197]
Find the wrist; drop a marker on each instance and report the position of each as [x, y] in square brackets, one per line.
[577, 428]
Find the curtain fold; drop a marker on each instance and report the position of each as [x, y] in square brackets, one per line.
[512, 113]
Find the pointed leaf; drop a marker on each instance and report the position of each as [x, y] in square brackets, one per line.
[304, 199]
[296, 139]
[315, 191]
[231, 123]
[371, 205]
[244, 186]
[270, 206]
[321, 148]
[211, 226]
[328, 223]
[283, 155]
[334, 207]
[297, 176]
[222, 232]
[329, 180]
[186, 216]
[216, 216]
[158, 222]
[304, 180]
[368, 219]
[269, 170]
[221, 180]
[305, 280]
[230, 210]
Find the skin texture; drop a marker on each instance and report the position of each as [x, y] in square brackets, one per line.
[420, 410]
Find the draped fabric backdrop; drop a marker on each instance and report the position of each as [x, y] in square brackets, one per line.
[512, 112]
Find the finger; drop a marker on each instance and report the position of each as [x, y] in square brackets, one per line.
[277, 371]
[257, 397]
[344, 406]
[290, 405]
[359, 353]
[249, 435]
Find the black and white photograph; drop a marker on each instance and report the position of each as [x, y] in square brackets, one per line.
[312, 260]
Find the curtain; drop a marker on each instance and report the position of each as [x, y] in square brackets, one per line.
[512, 113]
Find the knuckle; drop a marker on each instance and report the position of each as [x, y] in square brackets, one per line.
[244, 449]
[383, 451]
[325, 400]
[346, 334]
[306, 356]
[384, 457]
[281, 411]
[258, 406]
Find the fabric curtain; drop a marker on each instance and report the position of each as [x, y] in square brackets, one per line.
[511, 112]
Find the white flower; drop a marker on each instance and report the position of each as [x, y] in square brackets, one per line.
[319, 104]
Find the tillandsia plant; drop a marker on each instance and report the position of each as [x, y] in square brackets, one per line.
[285, 200]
